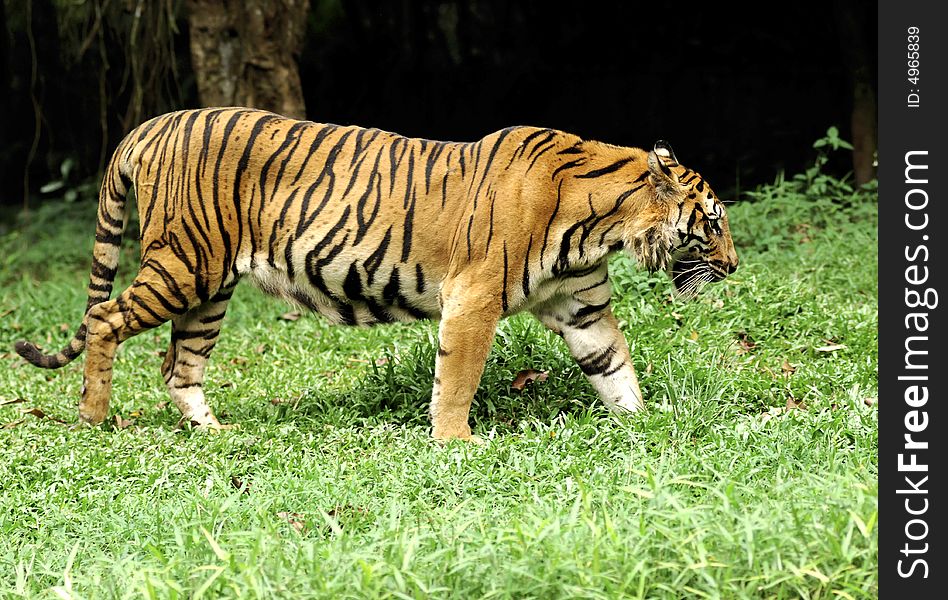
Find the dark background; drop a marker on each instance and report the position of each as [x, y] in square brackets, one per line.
[741, 93]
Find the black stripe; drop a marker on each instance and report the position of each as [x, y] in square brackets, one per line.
[363, 223]
[409, 187]
[419, 279]
[490, 230]
[550, 135]
[589, 309]
[107, 237]
[374, 260]
[582, 272]
[321, 135]
[613, 370]
[115, 223]
[444, 188]
[430, 162]
[587, 323]
[352, 286]
[212, 318]
[346, 314]
[576, 148]
[223, 295]
[390, 293]
[144, 306]
[406, 228]
[574, 163]
[597, 363]
[206, 334]
[549, 225]
[593, 286]
[522, 147]
[101, 271]
[526, 269]
[470, 224]
[490, 158]
[605, 170]
[503, 297]
[539, 154]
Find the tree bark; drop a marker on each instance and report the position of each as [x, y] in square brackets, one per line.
[853, 34]
[244, 53]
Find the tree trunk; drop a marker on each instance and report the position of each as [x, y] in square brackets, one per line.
[853, 38]
[244, 53]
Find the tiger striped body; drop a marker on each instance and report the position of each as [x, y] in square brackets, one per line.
[365, 226]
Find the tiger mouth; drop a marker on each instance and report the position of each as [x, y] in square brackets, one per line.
[691, 274]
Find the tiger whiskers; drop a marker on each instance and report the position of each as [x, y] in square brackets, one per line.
[697, 278]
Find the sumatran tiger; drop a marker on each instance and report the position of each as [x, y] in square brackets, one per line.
[365, 226]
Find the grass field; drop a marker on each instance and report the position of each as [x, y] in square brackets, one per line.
[751, 475]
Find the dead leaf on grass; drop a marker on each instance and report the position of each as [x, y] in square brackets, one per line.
[39, 414]
[14, 401]
[13, 424]
[122, 423]
[831, 348]
[869, 401]
[293, 315]
[787, 368]
[161, 405]
[792, 403]
[526, 377]
[694, 335]
[345, 510]
[296, 520]
[239, 484]
[745, 343]
[36, 412]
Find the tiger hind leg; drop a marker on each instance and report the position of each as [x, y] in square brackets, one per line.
[193, 337]
[152, 299]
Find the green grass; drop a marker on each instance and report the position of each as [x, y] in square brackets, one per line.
[331, 487]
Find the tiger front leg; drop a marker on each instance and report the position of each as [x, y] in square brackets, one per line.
[465, 336]
[599, 348]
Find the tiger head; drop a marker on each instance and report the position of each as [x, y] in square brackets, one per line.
[701, 249]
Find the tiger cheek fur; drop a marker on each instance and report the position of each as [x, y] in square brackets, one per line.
[365, 226]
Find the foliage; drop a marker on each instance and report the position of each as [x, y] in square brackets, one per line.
[752, 474]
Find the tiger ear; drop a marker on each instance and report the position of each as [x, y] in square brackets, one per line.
[660, 161]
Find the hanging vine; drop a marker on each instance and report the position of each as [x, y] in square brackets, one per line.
[105, 34]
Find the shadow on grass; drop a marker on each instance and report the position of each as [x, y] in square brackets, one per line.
[397, 390]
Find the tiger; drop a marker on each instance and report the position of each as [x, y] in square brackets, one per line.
[364, 226]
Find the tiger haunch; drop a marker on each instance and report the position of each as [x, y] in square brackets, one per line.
[365, 226]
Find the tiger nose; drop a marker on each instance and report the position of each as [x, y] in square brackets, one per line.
[732, 265]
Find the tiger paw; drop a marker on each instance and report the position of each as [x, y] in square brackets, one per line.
[208, 423]
[444, 438]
